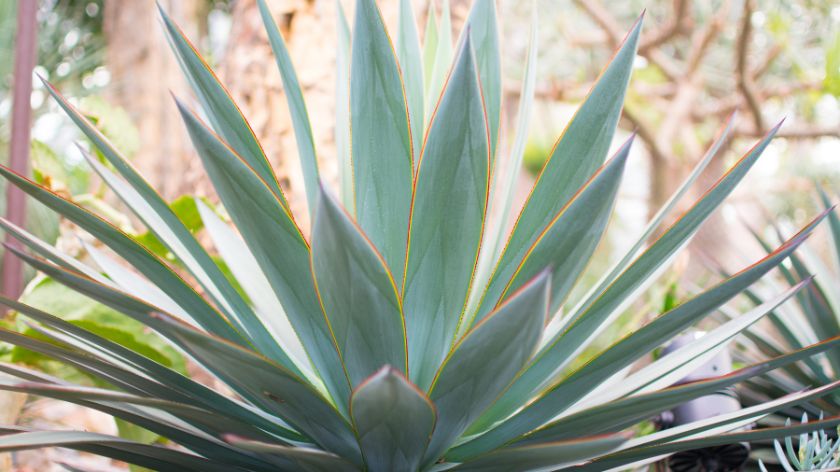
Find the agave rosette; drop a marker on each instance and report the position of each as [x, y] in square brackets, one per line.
[409, 331]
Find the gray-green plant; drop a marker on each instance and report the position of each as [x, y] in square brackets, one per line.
[816, 451]
[409, 330]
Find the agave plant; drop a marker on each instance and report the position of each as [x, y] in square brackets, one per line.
[409, 331]
[814, 315]
[816, 451]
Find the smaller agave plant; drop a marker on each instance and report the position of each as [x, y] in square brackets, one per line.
[408, 331]
[816, 451]
[814, 314]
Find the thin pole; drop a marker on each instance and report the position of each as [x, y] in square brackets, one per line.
[26, 51]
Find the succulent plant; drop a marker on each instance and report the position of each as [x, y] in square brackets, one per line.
[409, 331]
[816, 451]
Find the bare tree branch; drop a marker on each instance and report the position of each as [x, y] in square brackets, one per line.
[745, 81]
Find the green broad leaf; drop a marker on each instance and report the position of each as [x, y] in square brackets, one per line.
[111, 121]
[568, 241]
[272, 388]
[580, 150]
[144, 455]
[282, 252]
[342, 110]
[411, 66]
[447, 220]
[595, 312]
[358, 294]
[484, 362]
[381, 139]
[146, 263]
[302, 458]
[172, 225]
[545, 456]
[632, 455]
[484, 31]
[224, 115]
[441, 37]
[181, 388]
[504, 191]
[297, 106]
[394, 421]
[430, 42]
[561, 396]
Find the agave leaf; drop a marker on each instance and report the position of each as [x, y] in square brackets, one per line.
[632, 455]
[484, 31]
[683, 361]
[619, 414]
[302, 458]
[342, 110]
[441, 60]
[833, 222]
[545, 456]
[224, 115]
[568, 241]
[246, 270]
[182, 389]
[148, 418]
[279, 247]
[382, 142]
[579, 152]
[151, 456]
[447, 220]
[493, 238]
[394, 421]
[430, 42]
[357, 293]
[144, 261]
[159, 217]
[483, 362]
[667, 208]
[272, 388]
[51, 253]
[297, 106]
[597, 310]
[564, 394]
[411, 65]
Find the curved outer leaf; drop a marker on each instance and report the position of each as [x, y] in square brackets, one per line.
[156, 214]
[598, 309]
[544, 456]
[358, 294]
[154, 457]
[272, 388]
[411, 65]
[447, 220]
[578, 153]
[305, 459]
[297, 107]
[484, 32]
[394, 421]
[569, 240]
[142, 260]
[632, 455]
[246, 270]
[482, 364]
[342, 109]
[279, 247]
[563, 395]
[180, 388]
[224, 115]
[381, 138]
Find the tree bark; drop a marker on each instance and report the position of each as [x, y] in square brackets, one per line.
[143, 73]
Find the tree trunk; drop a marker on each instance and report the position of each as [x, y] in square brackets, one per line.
[143, 73]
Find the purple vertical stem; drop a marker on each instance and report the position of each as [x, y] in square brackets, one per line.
[26, 50]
